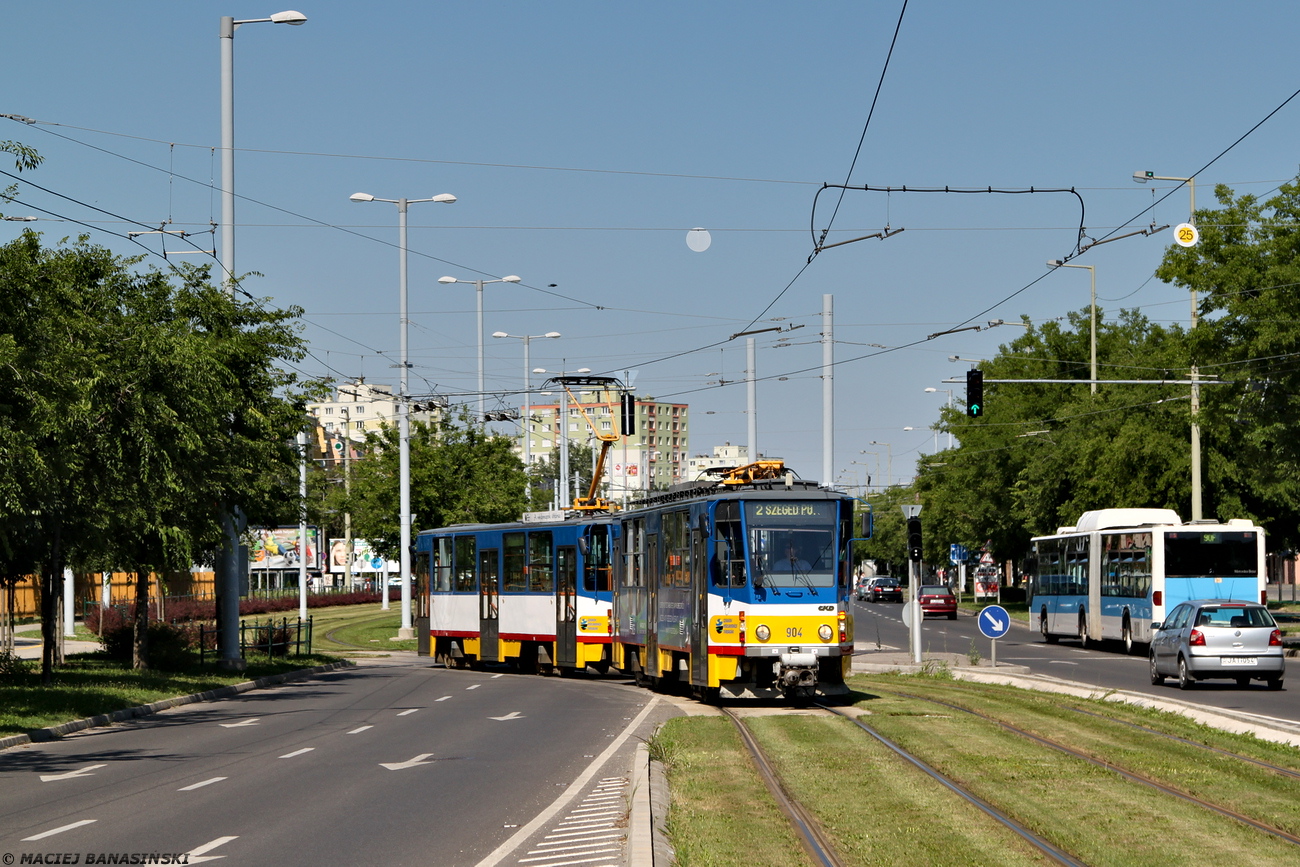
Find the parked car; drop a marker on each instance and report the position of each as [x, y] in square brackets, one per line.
[937, 599]
[883, 589]
[1210, 638]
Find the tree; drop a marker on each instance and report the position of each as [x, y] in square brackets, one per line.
[460, 474]
[544, 475]
[1245, 269]
[132, 409]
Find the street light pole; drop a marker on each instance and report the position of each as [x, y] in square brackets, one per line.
[403, 404]
[478, 286]
[1142, 177]
[528, 388]
[949, 390]
[889, 461]
[1092, 331]
[227, 569]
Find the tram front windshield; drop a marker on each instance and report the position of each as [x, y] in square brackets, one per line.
[791, 544]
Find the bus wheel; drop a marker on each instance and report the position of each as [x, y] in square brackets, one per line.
[1083, 630]
[1128, 637]
[1042, 627]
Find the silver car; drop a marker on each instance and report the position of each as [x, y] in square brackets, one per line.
[1213, 638]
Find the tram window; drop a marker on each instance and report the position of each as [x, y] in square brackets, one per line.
[729, 553]
[540, 569]
[442, 565]
[596, 561]
[677, 550]
[487, 570]
[464, 567]
[514, 562]
[634, 540]
[420, 583]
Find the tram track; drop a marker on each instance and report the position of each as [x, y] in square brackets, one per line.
[1127, 773]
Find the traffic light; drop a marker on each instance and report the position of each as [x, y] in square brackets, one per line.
[974, 393]
[627, 418]
[914, 539]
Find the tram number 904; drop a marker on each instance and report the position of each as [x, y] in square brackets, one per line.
[794, 632]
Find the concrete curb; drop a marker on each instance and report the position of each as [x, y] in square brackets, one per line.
[647, 842]
[106, 719]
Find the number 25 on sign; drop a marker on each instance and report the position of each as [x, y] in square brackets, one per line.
[1185, 235]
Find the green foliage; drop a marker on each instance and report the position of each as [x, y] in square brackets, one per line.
[459, 474]
[1046, 453]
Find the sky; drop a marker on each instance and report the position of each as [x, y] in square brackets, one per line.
[584, 140]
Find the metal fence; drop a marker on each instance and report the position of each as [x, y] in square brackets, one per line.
[270, 638]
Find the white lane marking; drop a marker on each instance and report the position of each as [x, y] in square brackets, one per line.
[495, 676]
[360, 730]
[409, 763]
[1061, 662]
[297, 752]
[201, 785]
[60, 830]
[408, 712]
[514, 714]
[196, 856]
[70, 775]
[571, 860]
[247, 722]
[475, 686]
[444, 698]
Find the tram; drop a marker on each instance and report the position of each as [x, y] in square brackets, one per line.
[731, 586]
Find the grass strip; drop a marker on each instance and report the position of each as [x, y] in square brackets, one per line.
[90, 685]
[349, 629]
[1093, 813]
[721, 813]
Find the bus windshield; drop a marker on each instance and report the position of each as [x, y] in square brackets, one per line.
[792, 544]
[1189, 554]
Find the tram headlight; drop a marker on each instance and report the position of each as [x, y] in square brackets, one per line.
[762, 633]
[826, 632]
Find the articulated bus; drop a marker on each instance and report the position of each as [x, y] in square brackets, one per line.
[1119, 570]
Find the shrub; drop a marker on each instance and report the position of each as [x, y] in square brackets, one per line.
[169, 644]
[13, 668]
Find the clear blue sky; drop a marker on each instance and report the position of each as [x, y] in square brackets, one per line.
[584, 140]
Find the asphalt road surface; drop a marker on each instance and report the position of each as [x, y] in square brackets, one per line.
[386, 764]
[1106, 666]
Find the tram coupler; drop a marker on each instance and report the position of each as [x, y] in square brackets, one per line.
[797, 671]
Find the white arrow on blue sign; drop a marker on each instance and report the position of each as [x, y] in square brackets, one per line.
[994, 621]
[957, 553]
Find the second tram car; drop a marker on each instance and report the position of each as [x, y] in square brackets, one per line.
[733, 587]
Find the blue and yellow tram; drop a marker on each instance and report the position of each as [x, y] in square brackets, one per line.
[737, 587]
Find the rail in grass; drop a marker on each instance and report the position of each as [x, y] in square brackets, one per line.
[737, 586]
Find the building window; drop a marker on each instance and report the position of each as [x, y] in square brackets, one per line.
[329, 410]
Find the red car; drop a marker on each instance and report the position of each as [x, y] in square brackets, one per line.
[937, 599]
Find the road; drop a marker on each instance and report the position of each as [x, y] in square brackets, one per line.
[1106, 667]
[394, 763]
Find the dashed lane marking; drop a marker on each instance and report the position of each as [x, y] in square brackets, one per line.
[59, 830]
[201, 785]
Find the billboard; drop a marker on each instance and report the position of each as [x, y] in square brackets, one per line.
[364, 558]
[280, 548]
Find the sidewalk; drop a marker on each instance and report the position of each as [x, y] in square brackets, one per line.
[27, 643]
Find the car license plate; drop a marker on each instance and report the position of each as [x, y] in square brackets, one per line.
[1238, 660]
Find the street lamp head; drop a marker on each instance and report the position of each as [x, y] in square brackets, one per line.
[1054, 263]
[289, 17]
[511, 279]
[584, 370]
[499, 334]
[361, 197]
[539, 370]
[551, 334]
[1142, 177]
[444, 198]
[931, 390]
[446, 279]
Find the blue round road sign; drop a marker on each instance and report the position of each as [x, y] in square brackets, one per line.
[994, 621]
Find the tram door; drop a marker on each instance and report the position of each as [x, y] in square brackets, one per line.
[650, 665]
[699, 606]
[566, 606]
[489, 616]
